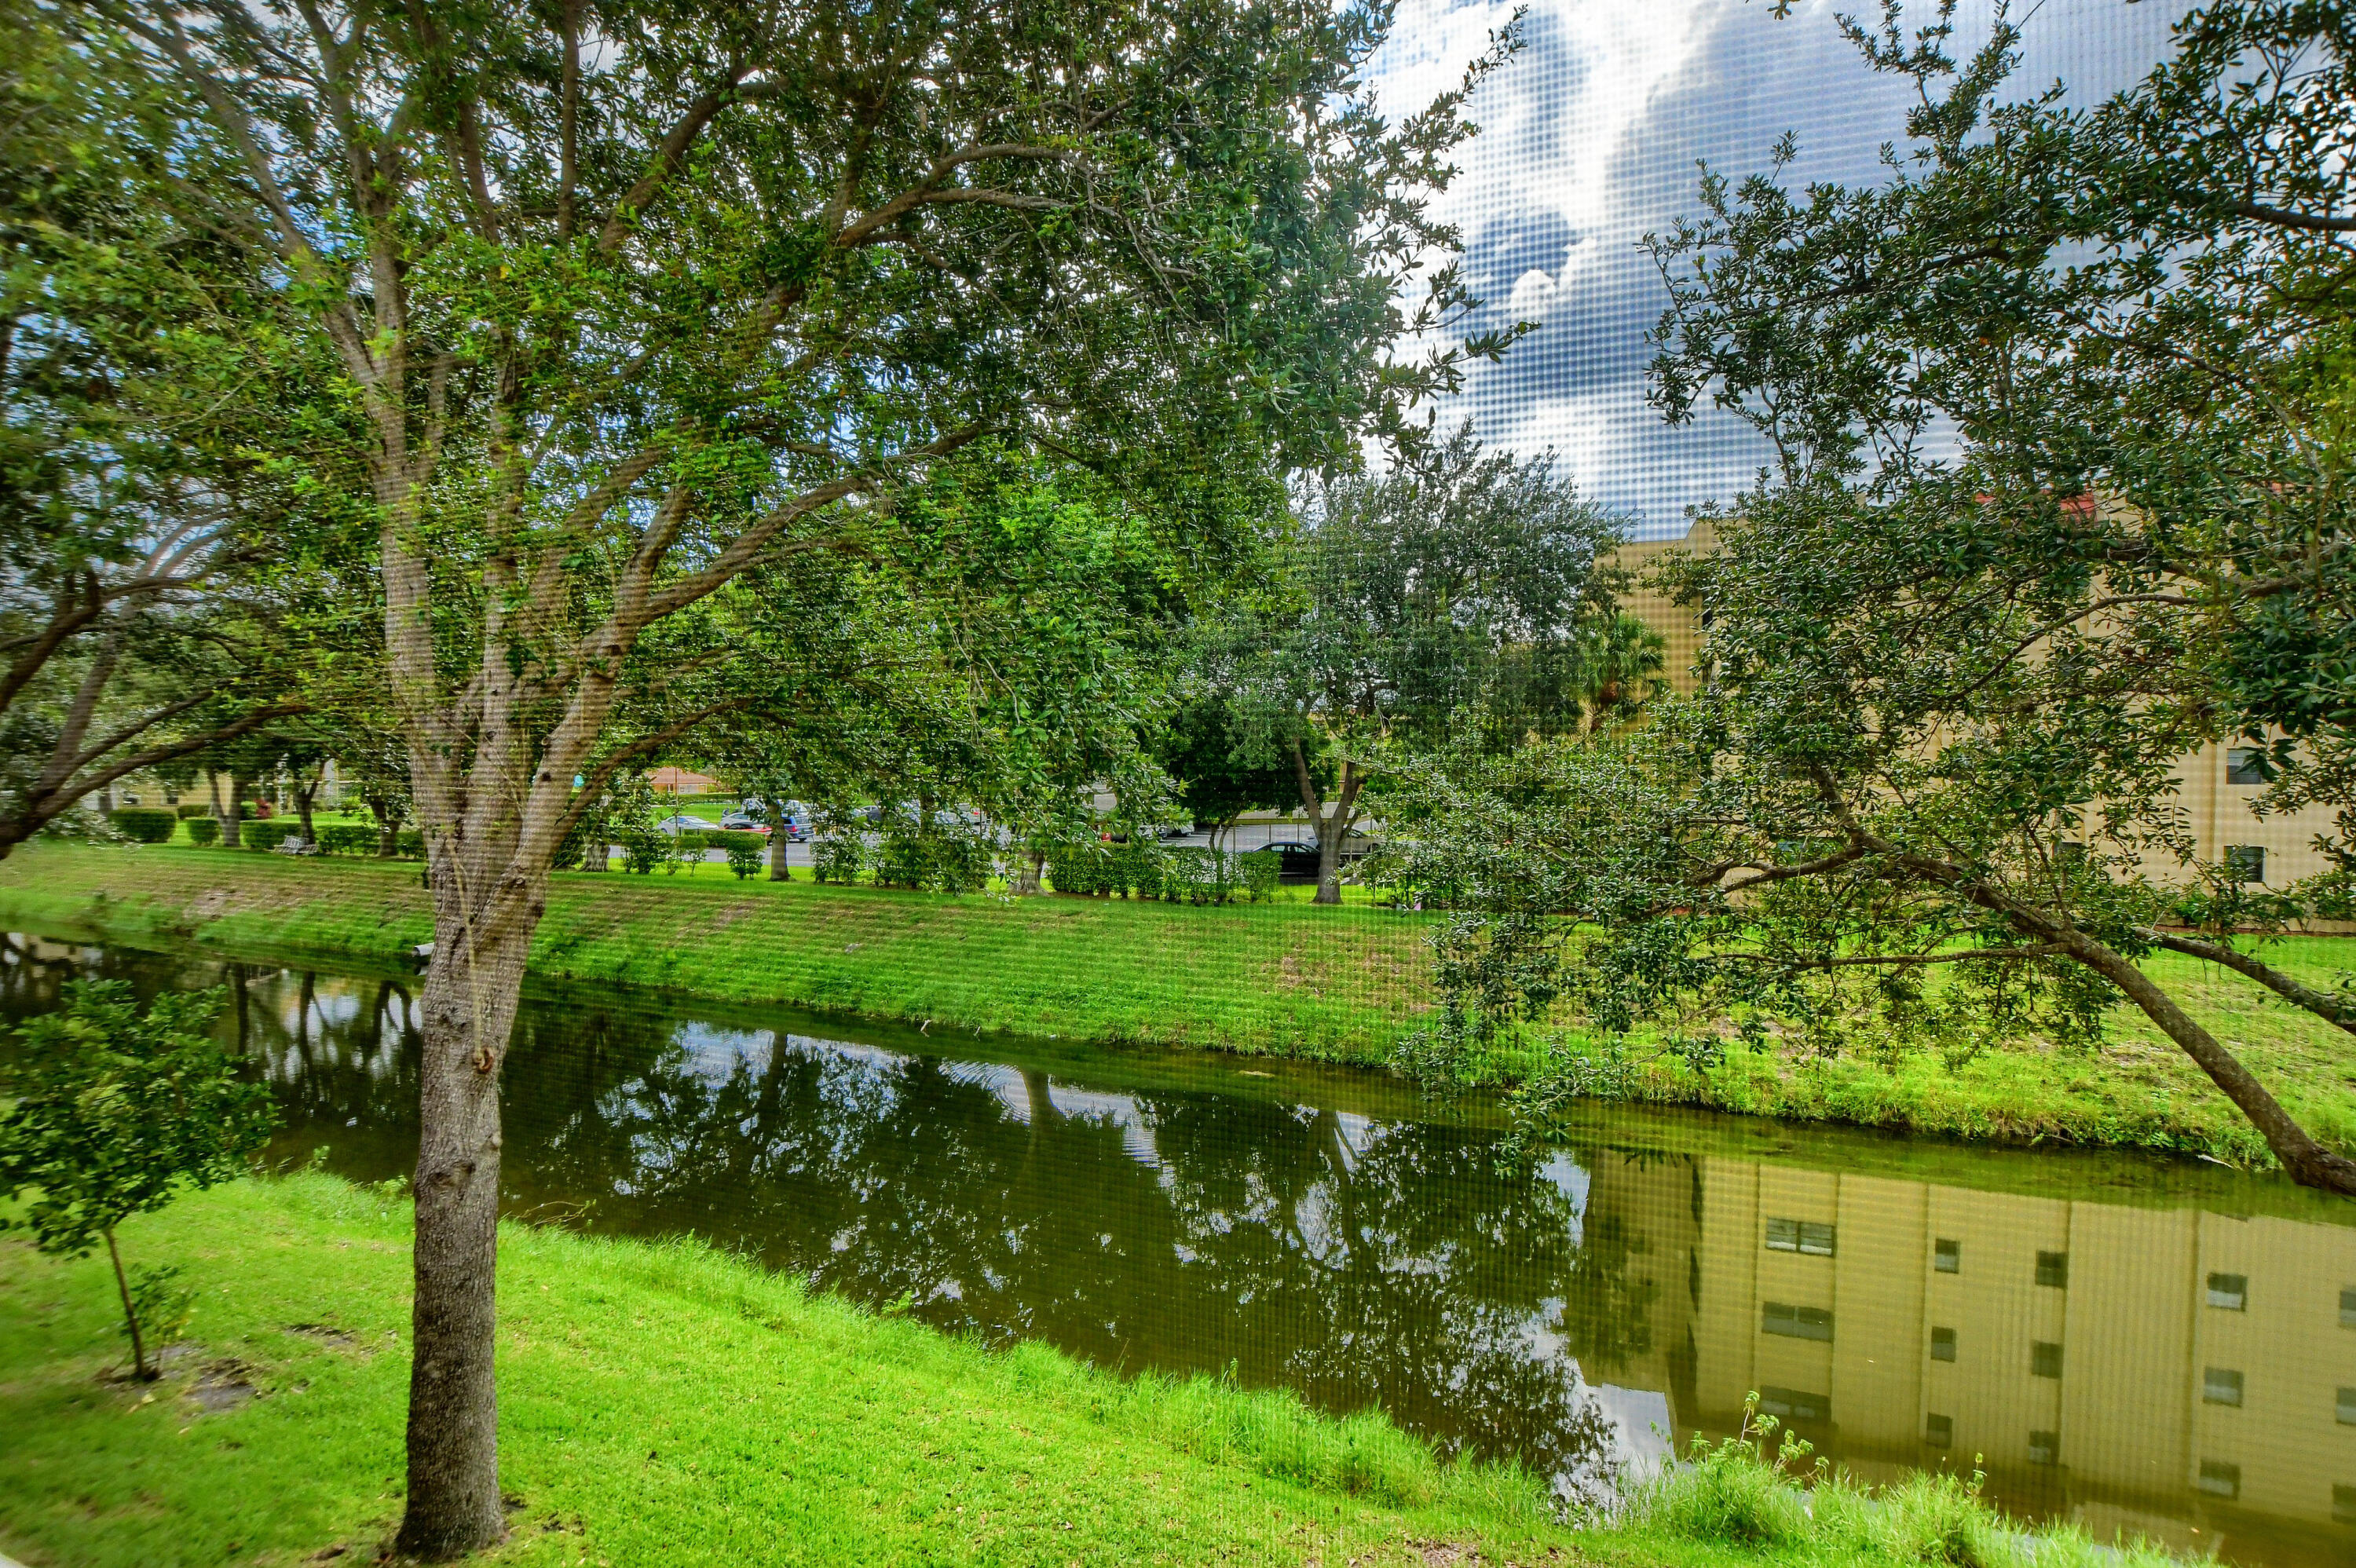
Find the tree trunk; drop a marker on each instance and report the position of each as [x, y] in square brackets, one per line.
[1033, 862]
[388, 833]
[780, 844]
[1331, 825]
[2308, 1162]
[467, 1011]
[232, 821]
[130, 1313]
[305, 794]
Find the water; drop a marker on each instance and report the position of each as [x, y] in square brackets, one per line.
[2142, 1344]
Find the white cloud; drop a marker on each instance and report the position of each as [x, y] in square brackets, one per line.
[1589, 139]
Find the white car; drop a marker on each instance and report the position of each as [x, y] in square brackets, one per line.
[682, 823]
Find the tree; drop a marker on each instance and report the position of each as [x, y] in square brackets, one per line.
[1207, 751]
[113, 1112]
[1405, 600]
[2057, 498]
[148, 579]
[630, 300]
[1620, 661]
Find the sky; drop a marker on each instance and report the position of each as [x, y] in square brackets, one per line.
[1589, 137]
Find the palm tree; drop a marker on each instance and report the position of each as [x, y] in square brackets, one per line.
[1621, 665]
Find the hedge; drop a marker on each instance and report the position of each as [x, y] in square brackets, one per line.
[203, 830]
[347, 839]
[1149, 872]
[189, 810]
[839, 858]
[144, 825]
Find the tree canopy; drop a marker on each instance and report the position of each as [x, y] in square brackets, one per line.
[1402, 603]
[627, 301]
[2057, 500]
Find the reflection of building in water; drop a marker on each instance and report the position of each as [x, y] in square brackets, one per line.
[2145, 1369]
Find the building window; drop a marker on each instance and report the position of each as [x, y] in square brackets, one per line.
[1790, 1404]
[2229, 1292]
[1947, 1257]
[2220, 1480]
[2045, 1447]
[2044, 1359]
[2348, 1309]
[2246, 862]
[2053, 1269]
[2219, 1386]
[1797, 1322]
[2343, 1505]
[1939, 1431]
[2346, 1408]
[1800, 1236]
[1942, 1344]
[2241, 766]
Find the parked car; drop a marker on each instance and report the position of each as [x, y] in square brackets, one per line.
[682, 823]
[745, 822]
[945, 817]
[1298, 862]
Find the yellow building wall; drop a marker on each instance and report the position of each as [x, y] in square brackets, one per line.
[2216, 811]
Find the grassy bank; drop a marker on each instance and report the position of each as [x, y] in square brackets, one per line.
[1295, 979]
[669, 1404]
[1340, 985]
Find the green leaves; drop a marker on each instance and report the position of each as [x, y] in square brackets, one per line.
[115, 1108]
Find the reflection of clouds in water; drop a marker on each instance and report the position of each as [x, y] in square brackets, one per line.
[1643, 1431]
[1115, 1110]
[1570, 1178]
[715, 1053]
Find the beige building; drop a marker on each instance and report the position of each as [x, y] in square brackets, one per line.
[2176, 1374]
[2213, 792]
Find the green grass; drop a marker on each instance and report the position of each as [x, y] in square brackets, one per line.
[2136, 1090]
[1287, 978]
[664, 1402]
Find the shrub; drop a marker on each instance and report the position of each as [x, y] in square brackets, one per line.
[114, 1110]
[1138, 869]
[189, 810]
[1734, 1492]
[1077, 869]
[203, 830]
[143, 825]
[347, 839]
[902, 860]
[839, 858]
[410, 844]
[1259, 872]
[746, 851]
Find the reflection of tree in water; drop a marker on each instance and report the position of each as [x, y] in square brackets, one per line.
[1391, 1265]
[1361, 1264]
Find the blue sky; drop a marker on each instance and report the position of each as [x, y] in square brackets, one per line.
[1589, 137]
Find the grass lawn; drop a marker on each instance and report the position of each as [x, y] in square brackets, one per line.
[1287, 978]
[667, 1403]
[1290, 978]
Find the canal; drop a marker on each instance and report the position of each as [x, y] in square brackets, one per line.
[2141, 1344]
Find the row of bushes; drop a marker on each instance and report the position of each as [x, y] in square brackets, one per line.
[1151, 871]
[932, 862]
[189, 810]
[142, 825]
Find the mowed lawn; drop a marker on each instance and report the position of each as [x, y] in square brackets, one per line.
[1298, 979]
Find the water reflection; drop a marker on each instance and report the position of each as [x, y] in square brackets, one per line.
[2171, 1369]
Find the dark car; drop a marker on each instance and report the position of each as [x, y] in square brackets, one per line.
[1297, 862]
